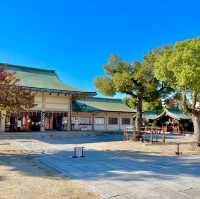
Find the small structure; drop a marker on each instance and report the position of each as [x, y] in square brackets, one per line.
[174, 120]
[78, 152]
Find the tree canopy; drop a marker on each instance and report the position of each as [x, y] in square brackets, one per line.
[136, 80]
[179, 66]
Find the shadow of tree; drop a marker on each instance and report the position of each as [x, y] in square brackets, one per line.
[64, 138]
[27, 165]
[106, 165]
[129, 166]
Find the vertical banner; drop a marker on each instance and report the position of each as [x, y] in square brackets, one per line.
[42, 125]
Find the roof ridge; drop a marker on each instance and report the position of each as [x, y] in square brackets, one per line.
[106, 99]
[29, 67]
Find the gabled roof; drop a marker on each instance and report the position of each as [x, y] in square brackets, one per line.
[149, 115]
[175, 114]
[95, 104]
[41, 79]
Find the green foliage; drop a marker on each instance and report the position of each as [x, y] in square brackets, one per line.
[137, 81]
[105, 86]
[130, 79]
[179, 65]
[155, 106]
[130, 102]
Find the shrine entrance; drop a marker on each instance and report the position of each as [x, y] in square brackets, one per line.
[32, 121]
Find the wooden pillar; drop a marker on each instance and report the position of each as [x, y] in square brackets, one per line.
[93, 122]
[119, 120]
[106, 121]
[69, 123]
[178, 127]
[42, 124]
[43, 114]
[3, 121]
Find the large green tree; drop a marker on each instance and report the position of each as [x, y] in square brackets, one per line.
[179, 66]
[13, 97]
[135, 80]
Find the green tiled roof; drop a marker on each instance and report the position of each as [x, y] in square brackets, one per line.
[37, 78]
[95, 104]
[149, 115]
[175, 113]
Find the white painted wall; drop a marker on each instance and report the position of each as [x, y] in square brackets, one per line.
[105, 126]
[52, 102]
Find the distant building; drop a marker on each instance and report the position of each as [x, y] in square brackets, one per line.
[149, 115]
[60, 106]
[102, 114]
[175, 120]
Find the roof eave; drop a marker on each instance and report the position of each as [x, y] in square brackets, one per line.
[74, 93]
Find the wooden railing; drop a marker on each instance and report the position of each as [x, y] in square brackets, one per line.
[148, 133]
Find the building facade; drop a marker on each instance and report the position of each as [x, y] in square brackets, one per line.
[60, 106]
[174, 120]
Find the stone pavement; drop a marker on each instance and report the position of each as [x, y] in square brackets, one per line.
[119, 175]
[131, 175]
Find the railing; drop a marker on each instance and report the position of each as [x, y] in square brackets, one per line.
[177, 144]
[150, 134]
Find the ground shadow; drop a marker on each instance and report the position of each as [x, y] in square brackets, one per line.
[27, 165]
[107, 165]
[66, 138]
[62, 138]
[125, 166]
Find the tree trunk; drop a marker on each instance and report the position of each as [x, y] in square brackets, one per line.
[196, 124]
[138, 119]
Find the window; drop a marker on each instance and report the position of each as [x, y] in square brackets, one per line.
[112, 120]
[126, 121]
[99, 120]
[84, 120]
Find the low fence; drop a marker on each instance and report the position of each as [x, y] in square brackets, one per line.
[178, 144]
[157, 136]
[150, 134]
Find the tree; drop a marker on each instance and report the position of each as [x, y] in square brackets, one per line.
[179, 66]
[13, 97]
[135, 80]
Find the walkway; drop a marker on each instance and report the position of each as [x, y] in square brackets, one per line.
[116, 174]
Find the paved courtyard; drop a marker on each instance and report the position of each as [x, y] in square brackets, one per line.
[117, 174]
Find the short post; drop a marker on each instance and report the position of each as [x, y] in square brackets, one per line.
[164, 138]
[82, 152]
[178, 149]
[151, 136]
[78, 152]
[74, 153]
[125, 134]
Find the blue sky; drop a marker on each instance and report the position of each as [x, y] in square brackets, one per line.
[76, 37]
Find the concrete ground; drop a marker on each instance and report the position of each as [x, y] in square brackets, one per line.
[115, 173]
